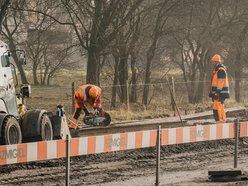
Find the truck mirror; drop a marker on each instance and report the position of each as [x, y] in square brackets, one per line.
[5, 61]
[22, 58]
[25, 90]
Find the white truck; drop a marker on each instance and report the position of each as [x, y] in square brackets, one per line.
[16, 123]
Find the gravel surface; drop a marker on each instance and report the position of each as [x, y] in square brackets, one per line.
[185, 164]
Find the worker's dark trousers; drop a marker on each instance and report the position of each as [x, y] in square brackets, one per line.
[73, 121]
[219, 111]
[76, 113]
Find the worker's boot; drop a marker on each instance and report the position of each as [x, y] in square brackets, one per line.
[74, 132]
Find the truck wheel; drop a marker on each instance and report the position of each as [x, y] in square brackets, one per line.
[46, 128]
[11, 131]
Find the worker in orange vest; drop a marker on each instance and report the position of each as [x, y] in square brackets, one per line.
[88, 94]
[219, 89]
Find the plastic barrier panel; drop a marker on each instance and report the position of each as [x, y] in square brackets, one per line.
[243, 129]
[197, 133]
[115, 142]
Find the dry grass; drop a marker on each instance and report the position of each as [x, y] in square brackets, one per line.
[48, 97]
[60, 92]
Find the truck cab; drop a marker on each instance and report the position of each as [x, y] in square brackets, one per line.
[7, 87]
[18, 124]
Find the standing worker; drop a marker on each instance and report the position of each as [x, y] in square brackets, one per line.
[219, 89]
[88, 94]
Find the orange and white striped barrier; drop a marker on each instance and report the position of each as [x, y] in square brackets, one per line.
[116, 142]
[243, 129]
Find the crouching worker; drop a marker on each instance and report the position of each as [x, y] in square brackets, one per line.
[219, 89]
[88, 94]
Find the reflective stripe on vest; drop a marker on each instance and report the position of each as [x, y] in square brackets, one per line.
[83, 92]
[224, 91]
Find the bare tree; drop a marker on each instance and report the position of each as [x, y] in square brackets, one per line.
[4, 6]
[135, 32]
[48, 45]
[123, 51]
[134, 50]
[54, 60]
[13, 32]
[115, 79]
[205, 27]
[164, 11]
[237, 51]
[92, 22]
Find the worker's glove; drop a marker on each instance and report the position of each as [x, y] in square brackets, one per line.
[216, 96]
[97, 111]
[86, 112]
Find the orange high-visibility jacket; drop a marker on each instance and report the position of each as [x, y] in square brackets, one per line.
[81, 97]
[219, 83]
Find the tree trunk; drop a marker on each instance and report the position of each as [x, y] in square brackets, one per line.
[238, 64]
[4, 7]
[36, 82]
[150, 55]
[185, 75]
[93, 65]
[45, 75]
[115, 83]
[147, 83]
[46, 70]
[123, 77]
[200, 88]
[18, 64]
[133, 98]
[237, 72]
[48, 80]
[95, 48]
[20, 69]
[190, 78]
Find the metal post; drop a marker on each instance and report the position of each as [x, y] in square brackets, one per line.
[236, 143]
[67, 177]
[158, 155]
[173, 98]
[72, 97]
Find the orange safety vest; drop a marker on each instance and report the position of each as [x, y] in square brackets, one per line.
[219, 85]
[82, 97]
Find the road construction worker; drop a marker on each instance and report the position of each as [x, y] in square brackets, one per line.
[88, 94]
[219, 89]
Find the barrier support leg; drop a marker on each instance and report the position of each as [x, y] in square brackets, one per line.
[67, 181]
[158, 155]
[236, 143]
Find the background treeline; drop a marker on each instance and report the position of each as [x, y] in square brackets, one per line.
[129, 42]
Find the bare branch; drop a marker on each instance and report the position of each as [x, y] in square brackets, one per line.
[45, 14]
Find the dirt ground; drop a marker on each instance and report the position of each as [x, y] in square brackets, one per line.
[186, 164]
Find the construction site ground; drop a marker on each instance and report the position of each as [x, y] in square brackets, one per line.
[185, 164]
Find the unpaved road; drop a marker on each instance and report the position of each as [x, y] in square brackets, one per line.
[186, 164]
